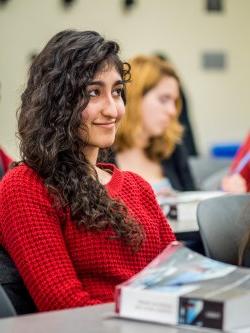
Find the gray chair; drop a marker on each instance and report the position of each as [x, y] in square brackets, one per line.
[203, 167]
[6, 307]
[213, 182]
[12, 286]
[223, 222]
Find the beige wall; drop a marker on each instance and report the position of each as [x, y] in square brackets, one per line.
[219, 101]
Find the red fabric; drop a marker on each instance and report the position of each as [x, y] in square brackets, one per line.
[5, 160]
[64, 266]
[245, 172]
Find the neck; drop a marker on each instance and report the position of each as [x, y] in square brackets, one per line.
[91, 154]
[135, 152]
[142, 141]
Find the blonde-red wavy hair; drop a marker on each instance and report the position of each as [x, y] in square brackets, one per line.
[146, 73]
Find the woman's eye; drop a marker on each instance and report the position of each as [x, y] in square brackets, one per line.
[94, 93]
[118, 91]
[164, 99]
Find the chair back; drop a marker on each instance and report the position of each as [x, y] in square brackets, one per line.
[223, 222]
[203, 167]
[6, 307]
[12, 286]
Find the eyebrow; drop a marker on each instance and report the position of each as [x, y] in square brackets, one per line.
[101, 83]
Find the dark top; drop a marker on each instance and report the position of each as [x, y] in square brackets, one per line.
[188, 137]
[246, 258]
[175, 168]
[13, 285]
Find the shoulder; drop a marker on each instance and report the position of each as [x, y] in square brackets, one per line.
[137, 184]
[21, 180]
[20, 173]
[180, 151]
[179, 157]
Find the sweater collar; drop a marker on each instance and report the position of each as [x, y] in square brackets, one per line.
[115, 184]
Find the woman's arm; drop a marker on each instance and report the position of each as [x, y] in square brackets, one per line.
[32, 234]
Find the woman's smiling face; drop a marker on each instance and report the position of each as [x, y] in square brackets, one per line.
[105, 108]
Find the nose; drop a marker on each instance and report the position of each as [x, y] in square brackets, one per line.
[172, 109]
[110, 107]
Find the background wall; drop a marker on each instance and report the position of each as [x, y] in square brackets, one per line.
[219, 100]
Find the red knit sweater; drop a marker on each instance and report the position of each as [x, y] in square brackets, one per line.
[64, 266]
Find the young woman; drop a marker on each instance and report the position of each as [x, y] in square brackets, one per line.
[148, 140]
[75, 228]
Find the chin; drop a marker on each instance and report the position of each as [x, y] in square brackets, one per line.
[106, 144]
[158, 133]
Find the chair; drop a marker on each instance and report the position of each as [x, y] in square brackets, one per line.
[203, 167]
[6, 307]
[12, 287]
[223, 222]
[213, 182]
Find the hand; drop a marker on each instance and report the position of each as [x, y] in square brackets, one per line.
[234, 184]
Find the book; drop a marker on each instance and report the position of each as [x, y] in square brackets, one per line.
[182, 287]
[183, 205]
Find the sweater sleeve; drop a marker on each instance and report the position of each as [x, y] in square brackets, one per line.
[31, 232]
[166, 233]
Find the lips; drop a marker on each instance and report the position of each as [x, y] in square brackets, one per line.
[105, 125]
[111, 123]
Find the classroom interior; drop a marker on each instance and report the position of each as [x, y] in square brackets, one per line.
[208, 43]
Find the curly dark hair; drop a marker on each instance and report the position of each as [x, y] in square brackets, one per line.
[48, 128]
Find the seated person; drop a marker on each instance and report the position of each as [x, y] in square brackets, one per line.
[5, 162]
[148, 140]
[244, 250]
[188, 136]
[78, 228]
[238, 179]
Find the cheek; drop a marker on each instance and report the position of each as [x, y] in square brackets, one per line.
[85, 114]
[149, 107]
[149, 115]
[120, 110]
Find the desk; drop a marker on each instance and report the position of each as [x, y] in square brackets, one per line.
[82, 320]
[187, 231]
[184, 226]
[92, 319]
[186, 204]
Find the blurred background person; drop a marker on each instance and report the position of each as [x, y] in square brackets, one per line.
[188, 136]
[149, 139]
[5, 161]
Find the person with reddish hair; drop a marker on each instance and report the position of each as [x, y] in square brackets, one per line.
[149, 139]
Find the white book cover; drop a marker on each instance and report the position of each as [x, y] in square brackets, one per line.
[183, 287]
[184, 204]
